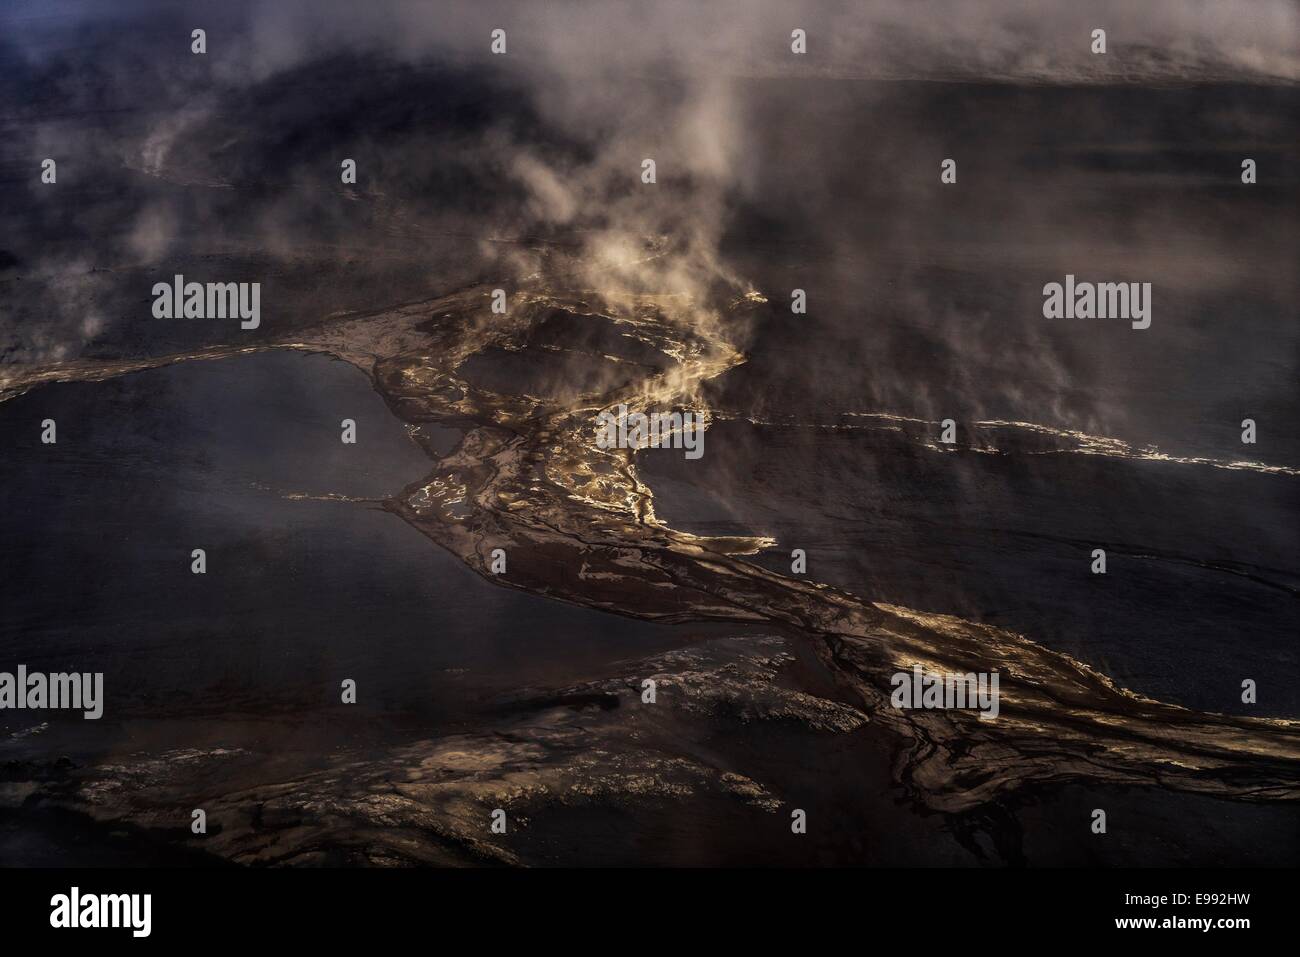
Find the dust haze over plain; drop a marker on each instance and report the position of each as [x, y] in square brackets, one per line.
[776, 171]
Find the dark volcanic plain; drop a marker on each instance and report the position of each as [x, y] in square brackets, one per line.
[522, 691]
